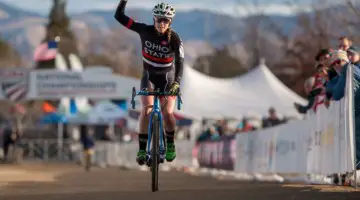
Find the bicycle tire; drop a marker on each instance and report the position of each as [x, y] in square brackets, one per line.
[155, 153]
[87, 161]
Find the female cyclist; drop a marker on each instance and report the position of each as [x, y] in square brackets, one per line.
[163, 57]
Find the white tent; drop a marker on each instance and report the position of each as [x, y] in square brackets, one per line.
[252, 93]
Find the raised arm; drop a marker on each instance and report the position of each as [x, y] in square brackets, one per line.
[127, 21]
[177, 46]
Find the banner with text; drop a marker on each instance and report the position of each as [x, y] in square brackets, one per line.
[25, 84]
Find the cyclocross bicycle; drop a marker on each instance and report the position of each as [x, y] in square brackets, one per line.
[156, 153]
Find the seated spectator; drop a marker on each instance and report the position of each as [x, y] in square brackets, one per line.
[340, 62]
[354, 55]
[272, 120]
[244, 126]
[308, 85]
[222, 127]
[317, 95]
[210, 134]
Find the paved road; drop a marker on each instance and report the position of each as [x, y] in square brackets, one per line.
[70, 182]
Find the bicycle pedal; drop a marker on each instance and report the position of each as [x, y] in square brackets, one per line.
[162, 158]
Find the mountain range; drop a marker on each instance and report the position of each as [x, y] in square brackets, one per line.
[25, 30]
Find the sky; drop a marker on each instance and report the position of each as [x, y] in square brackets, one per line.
[232, 7]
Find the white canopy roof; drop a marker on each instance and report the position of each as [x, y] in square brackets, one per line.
[249, 94]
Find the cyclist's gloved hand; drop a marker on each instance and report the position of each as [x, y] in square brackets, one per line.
[174, 88]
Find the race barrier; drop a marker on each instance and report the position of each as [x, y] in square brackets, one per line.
[323, 144]
[318, 145]
[114, 154]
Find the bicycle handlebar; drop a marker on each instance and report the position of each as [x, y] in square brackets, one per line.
[146, 93]
[155, 93]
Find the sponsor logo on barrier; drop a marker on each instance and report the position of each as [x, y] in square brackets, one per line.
[327, 137]
[14, 83]
[217, 154]
[284, 146]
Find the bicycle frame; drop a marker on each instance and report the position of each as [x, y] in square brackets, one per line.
[156, 110]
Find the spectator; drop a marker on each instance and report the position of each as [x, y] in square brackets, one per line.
[245, 126]
[308, 85]
[87, 139]
[354, 55]
[344, 43]
[210, 134]
[323, 55]
[340, 62]
[272, 120]
[10, 139]
[221, 127]
[317, 95]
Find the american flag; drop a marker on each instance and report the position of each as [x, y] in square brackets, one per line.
[45, 51]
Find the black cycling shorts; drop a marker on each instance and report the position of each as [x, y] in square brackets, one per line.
[153, 81]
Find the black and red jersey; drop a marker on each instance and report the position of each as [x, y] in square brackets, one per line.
[159, 54]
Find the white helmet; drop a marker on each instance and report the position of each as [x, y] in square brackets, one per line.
[164, 10]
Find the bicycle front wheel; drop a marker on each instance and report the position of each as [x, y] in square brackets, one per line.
[155, 153]
[87, 160]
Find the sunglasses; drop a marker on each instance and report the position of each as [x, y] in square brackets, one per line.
[163, 19]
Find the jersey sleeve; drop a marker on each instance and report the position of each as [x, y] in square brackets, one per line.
[126, 21]
[178, 48]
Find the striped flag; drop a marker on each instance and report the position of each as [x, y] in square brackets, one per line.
[46, 51]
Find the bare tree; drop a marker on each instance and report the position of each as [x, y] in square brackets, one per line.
[252, 35]
[313, 30]
[8, 56]
[354, 8]
[220, 64]
[114, 49]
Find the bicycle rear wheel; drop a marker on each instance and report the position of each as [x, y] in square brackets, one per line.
[155, 153]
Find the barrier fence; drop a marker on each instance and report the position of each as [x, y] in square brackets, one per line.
[112, 154]
[322, 144]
